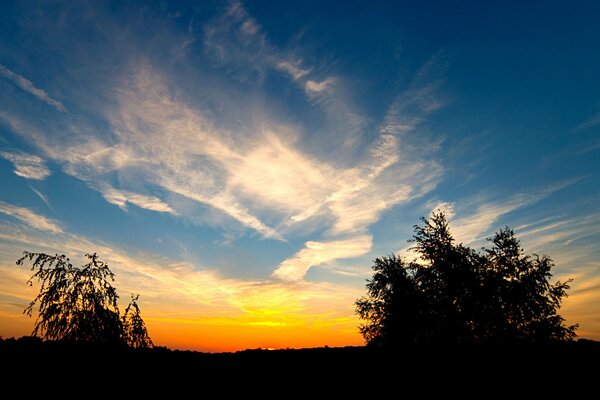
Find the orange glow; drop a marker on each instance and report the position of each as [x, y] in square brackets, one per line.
[227, 335]
[201, 311]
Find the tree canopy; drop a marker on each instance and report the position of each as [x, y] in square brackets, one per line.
[80, 303]
[452, 294]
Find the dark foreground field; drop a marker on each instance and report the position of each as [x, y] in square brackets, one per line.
[554, 368]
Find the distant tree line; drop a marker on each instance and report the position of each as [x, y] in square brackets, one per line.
[454, 295]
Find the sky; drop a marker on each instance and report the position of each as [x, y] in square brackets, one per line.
[240, 164]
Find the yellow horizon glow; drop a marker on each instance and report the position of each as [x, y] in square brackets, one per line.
[193, 309]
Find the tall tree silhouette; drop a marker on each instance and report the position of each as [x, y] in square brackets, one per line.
[452, 294]
[80, 303]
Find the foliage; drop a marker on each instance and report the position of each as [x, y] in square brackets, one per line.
[452, 294]
[80, 303]
[134, 328]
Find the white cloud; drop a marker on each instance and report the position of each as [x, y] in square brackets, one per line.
[260, 172]
[250, 26]
[30, 218]
[474, 219]
[411, 107]
[246, 179]
[314, 87]
[476, 226]
[41, 196]
[263, 172]
[27, 86]
[278, 175]
[317, 253]
[293, 69]
[558, 231]
[27, 165]
[444, 206]
[381, 182]
[122, 197]
[235, 38]
[250, 58]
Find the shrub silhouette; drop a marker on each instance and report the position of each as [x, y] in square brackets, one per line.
[80, 303]
[454, 295]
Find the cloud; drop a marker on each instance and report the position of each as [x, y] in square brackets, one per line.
[245, 179]
[317, 253]
[261, 172]
[235, 39]
[476, 226]
[560, 231]
[313, 87]
[30, 218]
[250, 26]
[471, 220]
[122, 197]
[422, 97]
[410, 108]
[264, 171]
[27, 86]
[384, 179]
[444, 206]
[27, 166]
[41, 196]
[293, 69]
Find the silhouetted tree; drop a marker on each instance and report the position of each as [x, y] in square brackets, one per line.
[452, 294]
[522, 304]
[80, 303]
[393, 301]
[134, 328]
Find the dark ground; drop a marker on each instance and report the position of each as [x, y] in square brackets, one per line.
[486, 371]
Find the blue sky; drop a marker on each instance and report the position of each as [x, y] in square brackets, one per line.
[249, 159]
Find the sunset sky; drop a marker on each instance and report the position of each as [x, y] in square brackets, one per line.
[239, 164]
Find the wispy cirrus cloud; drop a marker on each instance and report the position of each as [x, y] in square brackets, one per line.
[473, 219]
[237, 40]
[293, 68]
[568, 233]
[122, 197]
[42, 196]
[410, 108]
[27, 165]
[317, 253]
[27, 86]
[314, 87]
[269, 176]
[244, 179]
[30, 218]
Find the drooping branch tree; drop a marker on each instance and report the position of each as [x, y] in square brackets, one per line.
[80, 303]
[134, 328]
